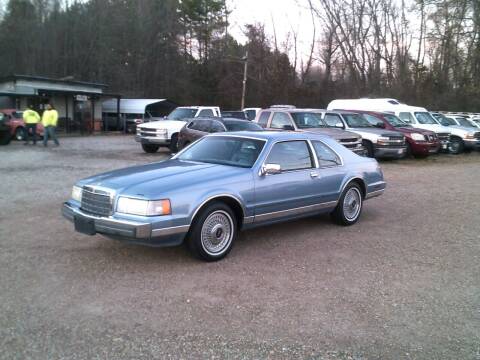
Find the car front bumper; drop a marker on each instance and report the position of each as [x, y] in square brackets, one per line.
[425, 148]
[472, 144]
[133, 232]
[152, 140]
[392, 152]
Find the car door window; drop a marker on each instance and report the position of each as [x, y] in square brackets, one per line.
[333, 120]
[216, 126]
[406, 116]
[291, 155]
[280, 120]
[263, 119]
[206, 112]
[373, 119]
[325, 155]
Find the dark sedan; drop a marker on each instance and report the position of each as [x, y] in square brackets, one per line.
[199, 127]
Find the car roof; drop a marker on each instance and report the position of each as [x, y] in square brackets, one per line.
[221, 119]
[275, 135]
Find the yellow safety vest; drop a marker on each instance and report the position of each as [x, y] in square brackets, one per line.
[31, 117]
[50, 118]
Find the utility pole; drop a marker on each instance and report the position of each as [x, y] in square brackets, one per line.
[245, 67]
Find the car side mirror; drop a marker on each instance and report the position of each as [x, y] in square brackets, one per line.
[380, 125]
[288, 127]
[339, 125]
[271, 169]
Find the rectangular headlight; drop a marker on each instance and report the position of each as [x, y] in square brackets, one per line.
[77, 193]
[143, 207]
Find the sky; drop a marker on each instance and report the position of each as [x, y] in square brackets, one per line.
[283, 15]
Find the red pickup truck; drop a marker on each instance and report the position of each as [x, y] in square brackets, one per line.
[17, 125]
[420, 142]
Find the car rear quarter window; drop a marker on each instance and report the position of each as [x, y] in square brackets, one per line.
[291, 155]
[216, 126]
[200, 125]
[263, 119]
[279, 120]
[206, 112]
[325, 155]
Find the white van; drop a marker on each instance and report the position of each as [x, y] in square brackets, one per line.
[415, 116]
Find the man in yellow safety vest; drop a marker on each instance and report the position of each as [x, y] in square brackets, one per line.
[49, 122]
[31, 119]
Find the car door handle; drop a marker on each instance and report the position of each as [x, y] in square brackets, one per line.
[313, 174]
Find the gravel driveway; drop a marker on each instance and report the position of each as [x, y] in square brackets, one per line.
[403, 283]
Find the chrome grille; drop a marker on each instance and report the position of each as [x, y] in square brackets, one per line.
[162, 133]
[95, 201]
[350, 143]
[444, 136]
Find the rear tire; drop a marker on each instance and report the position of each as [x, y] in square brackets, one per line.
[149, 148]
[20, 134]
[349, 207]
[213, 232]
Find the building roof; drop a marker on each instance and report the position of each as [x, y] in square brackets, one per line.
[15, 77]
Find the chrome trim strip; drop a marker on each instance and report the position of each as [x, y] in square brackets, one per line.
[248, 219]
[294, 211]
[374, 194]
[170, 230]
[217, 196]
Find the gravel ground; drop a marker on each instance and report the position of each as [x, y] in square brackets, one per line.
[403, 283]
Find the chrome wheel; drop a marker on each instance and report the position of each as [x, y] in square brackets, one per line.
[217, 232]
[352, 204]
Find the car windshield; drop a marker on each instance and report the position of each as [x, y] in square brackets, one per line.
[443, 120]
[182, 113]
[306, 120]
[395, 121]
[241, 126]
[465, 123]
[356, 121]
[224, 150]
[425, 118]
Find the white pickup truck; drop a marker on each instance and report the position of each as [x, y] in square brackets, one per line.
[164, 132]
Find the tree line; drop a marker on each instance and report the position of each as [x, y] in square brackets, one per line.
[424, 52]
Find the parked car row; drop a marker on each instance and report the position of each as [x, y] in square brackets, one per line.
[380, 128]
[13, 119]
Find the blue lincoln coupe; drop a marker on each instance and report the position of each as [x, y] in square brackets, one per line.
[224, 183]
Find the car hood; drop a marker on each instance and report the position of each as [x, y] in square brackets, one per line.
[463, 129]
[162, 124]
[153, 179]
[434, 127]
[411, 130]
[379, 132]
[335, 133]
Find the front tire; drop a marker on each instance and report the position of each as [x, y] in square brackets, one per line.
[456, 146]
[20, 134]
[369, 148]
[149, 148]
[349, 207]
[213, 232]
[174, 143]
